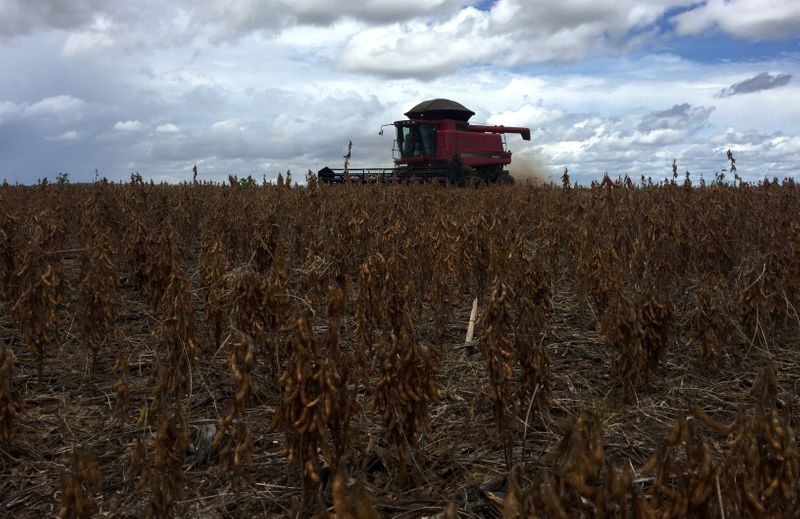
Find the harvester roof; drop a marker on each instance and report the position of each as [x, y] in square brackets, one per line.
[440, 109]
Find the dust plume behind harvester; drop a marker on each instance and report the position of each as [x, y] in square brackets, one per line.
[437, 143]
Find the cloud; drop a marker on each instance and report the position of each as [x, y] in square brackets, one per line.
[661, 137]
[23, 16]
[98, 23]
[58, 108]
[417, 49]
[167, 128]
[751, 19]
[207, 99]
[97, 37]
[8, 111]
[511, 32]
[412, 38]
[252, 87]
[763, 81]
[680, 117]
[375, 11]
[128, 126]
[70, 135]
[533, 115]
[574, 136]
[633, 142]
[295, 124]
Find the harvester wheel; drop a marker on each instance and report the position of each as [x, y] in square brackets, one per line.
[455, 176]
[505, 178]
[457, 173]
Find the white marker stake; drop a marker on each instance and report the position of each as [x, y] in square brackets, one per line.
[471, 327]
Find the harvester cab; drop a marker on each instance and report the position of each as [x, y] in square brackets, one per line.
[437, 143]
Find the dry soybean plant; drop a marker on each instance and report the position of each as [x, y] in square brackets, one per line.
[655, 315]
[406, 379]
[122, 402]
[707, 324]
[309, 386]
[237, 447]
[7, 248]
[497, 343]
[637, 335]
[39, 279]
[166, 475]
[346, 365]
[579, 459]
[350, 501]
[375, 283]
[11, 407]
[685, 474]
[178, 339]
[214, 267]
[534, 302]
[80, 482]
[98, 296]
[574, 486]
[762, 467]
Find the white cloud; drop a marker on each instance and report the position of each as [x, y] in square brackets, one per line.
[225, 126]
[96, 37]
[753, 19]
[511, 32]
[660, 137]
[307, 35]
[527, 115]
[70, 135]
[60, 108]
[81, 42]
[422, 50]
[8, 111]
[167, 128]
[128, 126]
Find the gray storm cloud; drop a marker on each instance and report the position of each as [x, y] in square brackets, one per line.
[679, 117]
[763, 81]
[23, 16]
[152, 21]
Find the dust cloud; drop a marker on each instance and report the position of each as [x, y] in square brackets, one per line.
[528, 167]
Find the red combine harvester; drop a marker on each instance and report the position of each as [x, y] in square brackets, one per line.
[437, 143]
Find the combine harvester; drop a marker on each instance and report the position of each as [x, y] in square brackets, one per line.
[438, 144]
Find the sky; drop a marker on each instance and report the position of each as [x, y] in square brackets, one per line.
[105, 88]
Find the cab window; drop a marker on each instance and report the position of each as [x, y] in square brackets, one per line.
[417, 140]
